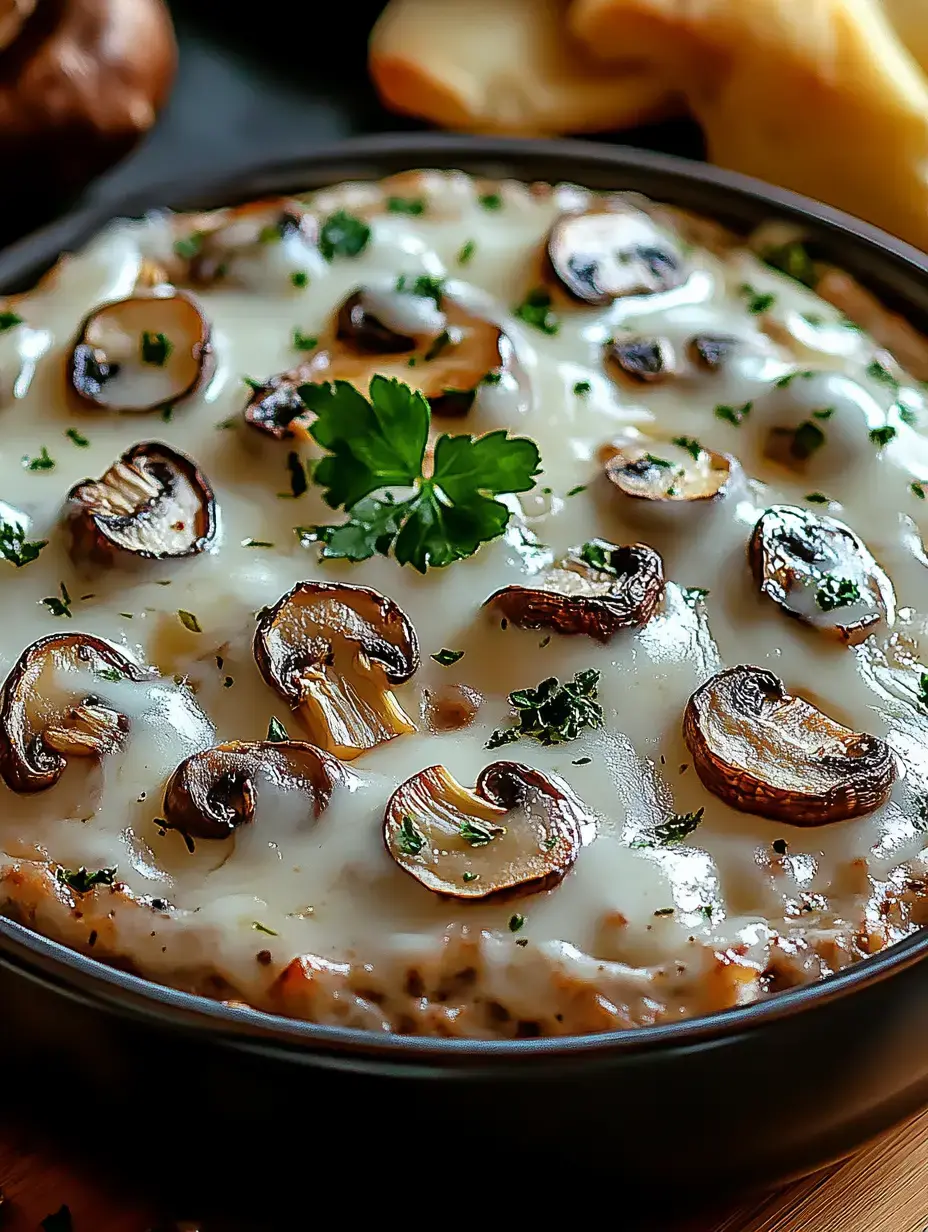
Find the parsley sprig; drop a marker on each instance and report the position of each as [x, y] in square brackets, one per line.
[553, 713]
[378, 443]
[14, 546]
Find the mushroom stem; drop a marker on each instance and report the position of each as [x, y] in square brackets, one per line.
[87, 730]
[348, 716]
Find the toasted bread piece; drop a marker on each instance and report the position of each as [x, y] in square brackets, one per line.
[505, 66]
[817, 95]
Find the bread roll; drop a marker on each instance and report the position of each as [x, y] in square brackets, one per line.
[817, 95]
[505, 66]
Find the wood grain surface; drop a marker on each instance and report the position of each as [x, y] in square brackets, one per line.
[884, 1188]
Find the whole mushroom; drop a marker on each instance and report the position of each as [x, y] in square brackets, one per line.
[335, 653]
[43, 721]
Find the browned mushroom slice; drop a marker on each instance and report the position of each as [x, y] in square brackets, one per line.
[516, 833]
[49, 711]
[669, 472]
[217, 790]
[819, 571]
[259, 245]
[142, 353]
[426, 340]
[154, 503]
[596, 590]
[711, 351]
[605, 254]
[335, 653]
[274, 406]
[643, 359]
[764, 751]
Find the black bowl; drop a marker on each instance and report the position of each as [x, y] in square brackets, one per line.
[703, 1107]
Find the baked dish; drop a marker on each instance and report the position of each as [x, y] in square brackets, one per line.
[463, 608]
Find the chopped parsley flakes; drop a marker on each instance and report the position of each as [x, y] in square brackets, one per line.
[468, 248]
[692, 447]
[882, 436]
[276, 732]
[817, 498]
[674, 830]
[60, 606]
[834, 592]
[82, 881]
[304, 342]
[879, 372]
[793, 260]
[263, 928]
[734, 414]
[918, 490]
[343, 235]
[14, 546]
[535, 310]
[410, 840]
[406, 205]
[515, 922]
[189, 246]
[75, 437]
[299, 279]
[553, 713]
[478, 833]
[757, 302]
[447, 657]
[42, 463]
[582, 388]
[155, 349]
[491, 201]
[9, 320]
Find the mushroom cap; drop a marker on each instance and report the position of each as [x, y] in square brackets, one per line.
[577, 596]
[249, 245]
[142, 353]
[516, 833]
[213, 792]
[669, 473]
[154, 503]
[646, 360]
[273, 406]
[609, 252]
[765, 751]
[28, 761]
[444, 355]
[801, 560]
[711, 351]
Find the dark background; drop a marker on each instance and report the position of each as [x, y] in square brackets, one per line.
[258, 83]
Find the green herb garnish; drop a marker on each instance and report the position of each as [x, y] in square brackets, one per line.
[256, 543]
[882, 436]
[693, 594]
[447, 657]
[468, 876]
[879, 372]
[834, 592]
[692, 447]
[263, 928]
[189, 621]
[343, 235]
[60, 606]
[908, 417]
[304, 342]
[82, 881]
[406, 205]
[674, 830]
[42, 463]
[14, 546]
[757, 302]
[441, 343]
[734, 414]
[468, 248]
[553, 713]
[582, 388]
[80, 441]
[276, 732]
[491, 201]
[9, 320]
[411, 841]
[535, 310]
[515, 922]
[792, 259]
[817, 498]
[477, 834]
[299, 279]
[922, 691]
[915, 488]
[189, 246]
[377, 443]
[155, 349]
[427, 286]
[576, 489]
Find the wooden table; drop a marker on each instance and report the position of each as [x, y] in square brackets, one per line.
[882, 1189]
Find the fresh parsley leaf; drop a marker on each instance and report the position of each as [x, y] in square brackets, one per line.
[916, 489]
[817, 498]
[406, 205]
[478, 833]
[836, 592]
[535, 310]
[62, 606]
[693, 594]
[276, 732]
[599, 554]
[491, 201]
[879, 372]
[815, 319]
[108, 673]
[491, 378]
[14, 546]
[757, 302]
[82, 882]
[554, 713]
[189, 246]
[263, 928]
[792, 259]
[304, 342]
[80, 441]
[516, 921]
[734, 414]
[299, 279]
[469, 876]
[42, 463]
[582, 388]
[468, 248]
[908, 416]
[411, 841]
[9, 320]
[825, 413]
[674, 830]
[576, 489]
[378, 443]
[692, 447]
[447, 657]
[155, 349]
[882, 436]
[189, 621]
[440, 344]
[343, 235]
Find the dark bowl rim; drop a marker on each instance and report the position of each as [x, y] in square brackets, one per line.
[79, 976]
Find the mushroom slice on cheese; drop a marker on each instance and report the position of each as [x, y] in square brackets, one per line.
[215, 791]
[44, 721]
[604, 254]
[677, 471]
[262, 246]
[816, 569]
[516, 833]
[335, 653]
[153, 504]
[596, 590]
[763, 750]
[144, 353]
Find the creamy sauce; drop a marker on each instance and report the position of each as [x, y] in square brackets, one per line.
[650, 927]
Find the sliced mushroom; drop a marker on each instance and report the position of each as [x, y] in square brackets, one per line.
[259, 245]
[154, 503]
[335, 653]
[711, 351]
[41, 721]
[669, 472]
[596, 590]
[214, 792]
[765, 751]
[142, 353]
[428, 341]
[275, 406]
[816, 569]
[643, 359]
[604, 254]
[516, 833]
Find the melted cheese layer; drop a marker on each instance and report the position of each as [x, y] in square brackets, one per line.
[637, 932]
